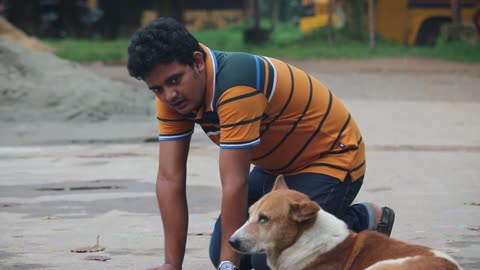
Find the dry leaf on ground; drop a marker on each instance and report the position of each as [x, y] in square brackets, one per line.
[94, 248]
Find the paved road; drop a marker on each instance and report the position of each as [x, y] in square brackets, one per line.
[422, 131]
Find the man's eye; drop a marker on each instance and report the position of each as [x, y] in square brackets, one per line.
[175, 80]
[263, 219]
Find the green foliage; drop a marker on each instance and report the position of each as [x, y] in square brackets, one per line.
[286, 42]
[90, 50]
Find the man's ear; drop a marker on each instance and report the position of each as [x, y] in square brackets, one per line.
[304, 210]
[198, 61]
[280, 183]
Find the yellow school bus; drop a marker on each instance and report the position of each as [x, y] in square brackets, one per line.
[418, 21]
[401, 21]
[315, 15]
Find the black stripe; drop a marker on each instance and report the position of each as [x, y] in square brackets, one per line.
[294, 126]
[267, 126]
[209, 118]
[270, 77]
[339, 152]
[358, 167]
[329, 107]
[207, 121]
[171, 120]
[243, 122]
[238, 97]
[233, 143]
[320, 164]
[262, 74]
[340, 133]
[343, 150]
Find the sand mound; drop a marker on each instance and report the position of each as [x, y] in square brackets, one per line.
[37, 86]
[11, 33]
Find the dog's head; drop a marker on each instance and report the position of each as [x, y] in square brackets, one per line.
[276, 221]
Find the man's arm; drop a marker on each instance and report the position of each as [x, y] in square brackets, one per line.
[172, 201]
[234, 171]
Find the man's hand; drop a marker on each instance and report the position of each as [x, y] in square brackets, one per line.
[165, 267]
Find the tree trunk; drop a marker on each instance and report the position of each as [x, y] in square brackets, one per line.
[456, 12]
[275, 10]
[330, 33]
[371, 22]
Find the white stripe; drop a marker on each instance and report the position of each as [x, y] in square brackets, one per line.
[274, 79]
[213, 133]
[214, 61]
[175, 137]
[241, 145]
[391, 262]
[445, 256]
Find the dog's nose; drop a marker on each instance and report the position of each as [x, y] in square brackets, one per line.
[233, 241]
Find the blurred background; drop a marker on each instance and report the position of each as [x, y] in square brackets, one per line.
[98, 30]
[78, 134]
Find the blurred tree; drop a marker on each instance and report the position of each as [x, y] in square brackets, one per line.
[371, 22]
[275, 10]
[330, 32]
[287, 10]
[21, 14]
[177, 10]
[355, 19]
[256, 34]
[456, 14]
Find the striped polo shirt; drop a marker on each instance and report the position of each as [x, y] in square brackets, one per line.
[293, 123]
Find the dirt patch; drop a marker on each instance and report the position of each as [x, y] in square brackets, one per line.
[38, 86]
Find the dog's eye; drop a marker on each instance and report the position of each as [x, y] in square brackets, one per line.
[262, 219]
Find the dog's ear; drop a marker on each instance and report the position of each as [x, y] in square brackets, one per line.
[280, 183]
[304, 210]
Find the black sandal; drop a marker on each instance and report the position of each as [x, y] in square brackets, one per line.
[386, 221]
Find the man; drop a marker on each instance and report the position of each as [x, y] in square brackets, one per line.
[260, 111]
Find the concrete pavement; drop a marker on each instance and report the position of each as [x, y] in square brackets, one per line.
[423, 148]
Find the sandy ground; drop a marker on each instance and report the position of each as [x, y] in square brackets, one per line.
[65, 181]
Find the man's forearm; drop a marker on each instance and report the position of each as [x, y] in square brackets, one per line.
[234, 214]
[173, 208]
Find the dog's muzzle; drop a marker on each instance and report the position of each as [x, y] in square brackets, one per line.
[236, 244]
[239, 244]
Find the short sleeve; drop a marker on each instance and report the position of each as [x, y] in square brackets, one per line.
[171, 125]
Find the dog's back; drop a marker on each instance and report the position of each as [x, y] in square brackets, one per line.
[372, 250]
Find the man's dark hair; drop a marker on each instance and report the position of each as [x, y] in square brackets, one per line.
[162, 41]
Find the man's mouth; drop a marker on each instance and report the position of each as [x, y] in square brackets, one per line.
[179, 104]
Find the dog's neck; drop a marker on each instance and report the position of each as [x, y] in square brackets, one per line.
[324, 235]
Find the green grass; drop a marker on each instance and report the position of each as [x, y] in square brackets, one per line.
[90, 50]
[286, 42]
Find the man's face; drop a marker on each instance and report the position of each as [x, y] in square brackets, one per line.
[181, 87]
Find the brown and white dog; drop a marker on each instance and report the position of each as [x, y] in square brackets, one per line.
[296, 234]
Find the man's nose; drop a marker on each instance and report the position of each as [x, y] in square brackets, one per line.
[170, 94]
